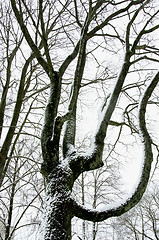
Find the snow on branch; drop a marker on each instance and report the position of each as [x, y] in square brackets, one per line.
[93, 158]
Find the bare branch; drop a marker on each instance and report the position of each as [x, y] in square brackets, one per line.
[105, 22]
[76, 12]
[25, 31]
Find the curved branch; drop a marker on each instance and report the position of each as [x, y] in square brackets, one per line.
[97, 216]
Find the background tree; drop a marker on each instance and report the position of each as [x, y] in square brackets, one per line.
[19, 87]
[142, 222]
[95, 189]
[79, 29]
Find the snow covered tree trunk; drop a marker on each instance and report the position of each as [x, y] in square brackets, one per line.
[58, 209]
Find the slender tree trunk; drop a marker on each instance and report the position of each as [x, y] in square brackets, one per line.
[94, 230]
[83, 202]
[10, 210]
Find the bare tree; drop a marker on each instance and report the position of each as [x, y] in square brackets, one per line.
[74, 26]
[95, 189]
[20, 195]
[142, 222]
[19, 88]
[11, 105]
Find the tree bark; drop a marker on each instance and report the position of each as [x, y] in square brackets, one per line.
[58, 209]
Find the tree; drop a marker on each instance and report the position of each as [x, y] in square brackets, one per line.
[95, 189]
[16, 207]
[19, 88]
[75, 26]
[142, 221]
[11, 107]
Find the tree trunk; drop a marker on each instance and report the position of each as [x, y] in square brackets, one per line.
[58, 211]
